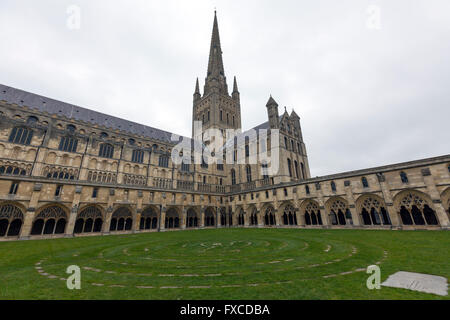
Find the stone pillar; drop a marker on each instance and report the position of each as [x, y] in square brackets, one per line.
[300, 218]
[393, 214]
[351, 203]
[436, 198]
[441, 214]
[30, 213]
[201, 223]
[162, 223]
[109, 212]
[183, 217]
[137, 222]
[218, 222]
[27, 223]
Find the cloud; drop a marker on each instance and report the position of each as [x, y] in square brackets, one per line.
[365, 97]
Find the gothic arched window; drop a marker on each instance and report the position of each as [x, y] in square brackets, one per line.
[333, 186]
[365, 183]
[265, 172]
[163, 161]
[106, 150]
[137, 156]
[68, 144]
[289, 167]
[248, 171]
[233, 177]
[21, 135]
[404, 177]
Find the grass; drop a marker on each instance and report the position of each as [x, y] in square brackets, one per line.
[223, 264]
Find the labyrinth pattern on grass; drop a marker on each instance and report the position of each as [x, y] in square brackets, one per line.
[146, 263]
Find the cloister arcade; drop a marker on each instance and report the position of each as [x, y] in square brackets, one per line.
[410, 208]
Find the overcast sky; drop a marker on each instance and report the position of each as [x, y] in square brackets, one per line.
[370, 80]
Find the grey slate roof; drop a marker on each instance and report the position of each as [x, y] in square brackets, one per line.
[55, 107]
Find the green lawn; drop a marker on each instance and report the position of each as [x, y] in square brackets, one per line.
[223, 264]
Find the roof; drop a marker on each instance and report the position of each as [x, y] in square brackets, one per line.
[54, 107]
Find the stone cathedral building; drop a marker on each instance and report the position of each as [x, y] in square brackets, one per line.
[68, 171]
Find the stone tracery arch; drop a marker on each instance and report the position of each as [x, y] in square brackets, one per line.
[269, 216]
[172, 220]
[11, 219]
[415, 208]
[338, 210]
[50, 219]
[289, 215]
[209, 218]
[192, 218]
[149, 218]
[372, 210]
[89, 219]
[310, 210]
[121, 219]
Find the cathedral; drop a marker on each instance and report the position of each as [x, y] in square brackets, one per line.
[67, 171]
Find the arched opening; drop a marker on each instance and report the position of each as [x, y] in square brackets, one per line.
[405, 216]
[50, 220]
[385, 216]
[121, 219]
[254, 218]
[333, 218]
[312, 214]
[269, 217]
[38, 225]
[415, 209]
[341, 218]
[241, 220]
[49, 226]
[307, 219]
[417, 216]
[289, 217]
[209, 220]
[191, 218]
[147, 217]
[366, 217]
[78, 226]
[89, 223]
[11, 220]
[430, 216]
[89, 219]
[172, 220]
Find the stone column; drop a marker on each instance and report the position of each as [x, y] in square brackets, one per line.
[137, 222]
[351, 203]
[218, 222]
[162, 223]
[183, 217]
[436, 198]
[201, 223]
[393, 214]
[109, 212]
[30, 213]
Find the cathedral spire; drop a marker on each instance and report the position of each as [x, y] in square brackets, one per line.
[215, 78]
[235, 87]
[197, 91]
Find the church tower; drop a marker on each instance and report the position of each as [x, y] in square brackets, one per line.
[216, 108]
